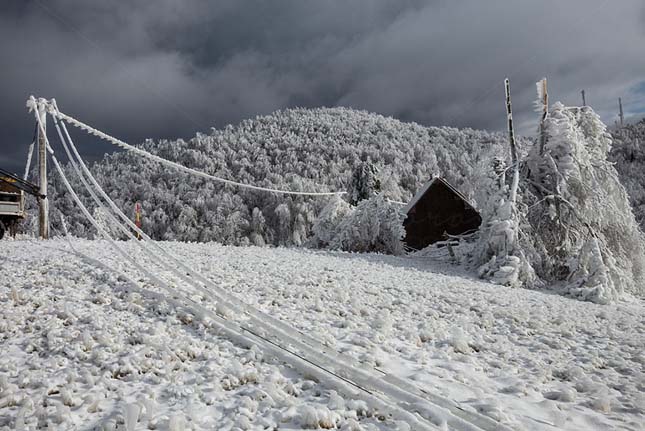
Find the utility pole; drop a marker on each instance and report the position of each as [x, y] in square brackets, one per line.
[584, 100]
[544, 98]
[511, 138]
[43, 204]
[620, 107]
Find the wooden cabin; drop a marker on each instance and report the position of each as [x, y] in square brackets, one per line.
[12, 205]
[12, 200]
[438, 208]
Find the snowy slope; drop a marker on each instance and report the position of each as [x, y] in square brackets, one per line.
[81, 345]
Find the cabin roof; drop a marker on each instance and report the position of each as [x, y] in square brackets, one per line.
[436, 210]
[423, 190]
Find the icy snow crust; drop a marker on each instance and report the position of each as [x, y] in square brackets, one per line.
[83, 348]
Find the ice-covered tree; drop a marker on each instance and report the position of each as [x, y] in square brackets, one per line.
[571, 224]
[327, 224]
[498, 254]
[258, 228]
[583, 230]
[301, 222]
[374, 225]
[187, 226]
[365, 182]
[628, 154]
[283, 230]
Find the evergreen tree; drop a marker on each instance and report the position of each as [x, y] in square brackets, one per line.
[365, 183]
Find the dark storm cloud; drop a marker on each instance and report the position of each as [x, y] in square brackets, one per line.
[169, 68]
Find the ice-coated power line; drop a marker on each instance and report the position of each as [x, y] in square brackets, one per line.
[139, 151]
[389, 394]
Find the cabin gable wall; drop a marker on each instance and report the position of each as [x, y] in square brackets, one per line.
[439, 210]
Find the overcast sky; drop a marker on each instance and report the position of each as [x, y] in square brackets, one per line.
[171, 68]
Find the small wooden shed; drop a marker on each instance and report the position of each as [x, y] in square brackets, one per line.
[436, 209]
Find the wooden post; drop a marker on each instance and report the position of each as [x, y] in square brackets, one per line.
[584, 100]
[137, 217]
[511, 138]
[43, 204]
[544, 96]
[620, 107]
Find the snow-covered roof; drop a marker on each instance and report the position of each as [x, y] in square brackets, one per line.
[422, 191]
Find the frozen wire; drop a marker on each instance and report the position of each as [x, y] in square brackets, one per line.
[229, 300]
[399, 392]
[178, 166]
[325, 366]
[30, 154]
[329, 362]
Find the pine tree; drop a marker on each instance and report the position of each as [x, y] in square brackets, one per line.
[365, 182]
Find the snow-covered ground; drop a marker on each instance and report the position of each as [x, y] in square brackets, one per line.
[82, 347]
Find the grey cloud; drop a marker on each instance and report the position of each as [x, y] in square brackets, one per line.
[170, 68]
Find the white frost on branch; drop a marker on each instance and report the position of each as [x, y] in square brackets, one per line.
[584, 232]
[573, 225]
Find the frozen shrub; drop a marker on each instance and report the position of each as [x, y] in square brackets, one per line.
[327, 224]
[459, 341]
[375, 225]
[258, 228]
[602, 404]
[316, 417]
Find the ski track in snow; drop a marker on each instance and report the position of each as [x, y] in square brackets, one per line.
[82, 348]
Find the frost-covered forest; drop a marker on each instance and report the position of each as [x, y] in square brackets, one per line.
[299, 149]
[629, 155]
